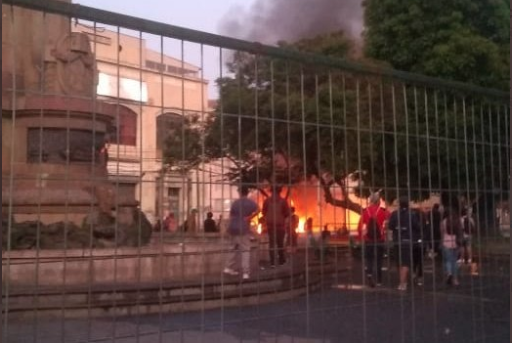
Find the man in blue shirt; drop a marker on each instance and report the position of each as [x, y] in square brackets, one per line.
[240, 215]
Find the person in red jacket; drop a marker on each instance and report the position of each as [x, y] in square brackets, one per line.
[372, 235]
[276, 211]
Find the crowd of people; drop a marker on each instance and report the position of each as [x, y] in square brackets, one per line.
[415, 235]
[445, 232]
[441, 232]
[278, 221]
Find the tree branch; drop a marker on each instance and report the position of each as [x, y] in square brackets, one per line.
[345, 202]
[288, 192]
[262, 191]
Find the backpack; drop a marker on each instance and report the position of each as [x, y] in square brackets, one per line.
[373, 232]
[407, 226]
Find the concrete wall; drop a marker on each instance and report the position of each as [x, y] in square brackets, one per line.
[171, 262]
[6, 144]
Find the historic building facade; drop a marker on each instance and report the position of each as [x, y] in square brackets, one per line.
[157, 90]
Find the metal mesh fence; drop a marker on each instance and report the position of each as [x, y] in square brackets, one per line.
[377, 206]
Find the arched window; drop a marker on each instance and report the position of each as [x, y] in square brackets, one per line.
[124, 131]
[167, 124]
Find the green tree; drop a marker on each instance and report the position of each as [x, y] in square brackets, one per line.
[284, 122]
[183, 142]
[462, 40]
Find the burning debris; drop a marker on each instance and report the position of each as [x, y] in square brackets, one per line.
[309, 202]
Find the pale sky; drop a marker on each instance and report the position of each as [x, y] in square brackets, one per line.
[203, 15]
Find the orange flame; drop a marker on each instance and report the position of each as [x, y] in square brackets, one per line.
[308, 202]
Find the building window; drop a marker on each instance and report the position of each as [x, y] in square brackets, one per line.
[173, 192]
[173, 200]
[155, 65]
[167, 124]
[180, 71]
[125, 190]
[222, 205]
[125, 130]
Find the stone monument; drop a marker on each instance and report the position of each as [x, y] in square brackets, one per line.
[54, 129]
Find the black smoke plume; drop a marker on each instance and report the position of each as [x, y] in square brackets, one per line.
[270, 21]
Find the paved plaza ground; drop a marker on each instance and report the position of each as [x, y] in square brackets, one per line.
[342, 311]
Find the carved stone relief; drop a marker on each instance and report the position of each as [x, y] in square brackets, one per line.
[70, 66]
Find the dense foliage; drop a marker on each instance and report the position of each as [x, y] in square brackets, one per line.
[284, 122]
[463, 40]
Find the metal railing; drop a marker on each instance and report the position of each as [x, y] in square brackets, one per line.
[103, 236]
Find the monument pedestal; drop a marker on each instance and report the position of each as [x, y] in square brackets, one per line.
[59, 171]
[54, 142]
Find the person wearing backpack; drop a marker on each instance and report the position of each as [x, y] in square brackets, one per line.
[405, 225]
[371, 232]
[276, 211]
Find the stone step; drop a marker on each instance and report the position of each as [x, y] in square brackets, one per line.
[129, 299]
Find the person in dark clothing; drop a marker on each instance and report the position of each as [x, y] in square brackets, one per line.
[468, 227]
[292, 226]
[325, 236]
[406, 228]
[420, 241]
[209, 224]
[313, 244]
[434, 228]
[276, 211]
